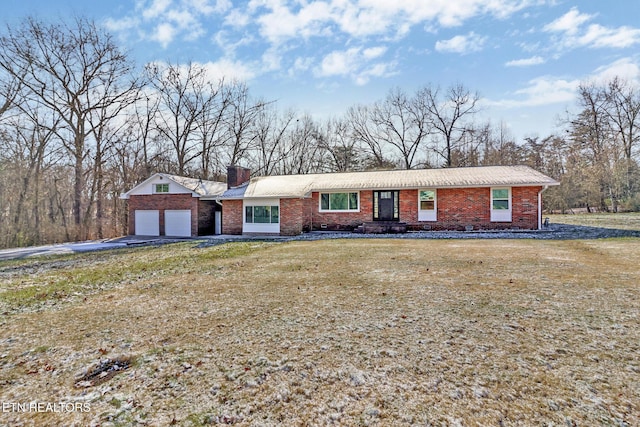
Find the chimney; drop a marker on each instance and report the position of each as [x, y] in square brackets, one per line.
[237, 175]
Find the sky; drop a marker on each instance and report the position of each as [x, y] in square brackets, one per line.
[525, 58]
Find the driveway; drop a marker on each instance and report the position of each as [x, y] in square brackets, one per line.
[77, 247]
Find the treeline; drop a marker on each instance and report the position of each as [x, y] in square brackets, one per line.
[80, 123]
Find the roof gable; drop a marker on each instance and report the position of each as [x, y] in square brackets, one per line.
[178, 185]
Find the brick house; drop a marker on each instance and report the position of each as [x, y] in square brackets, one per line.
[491, 197]
[171, 205]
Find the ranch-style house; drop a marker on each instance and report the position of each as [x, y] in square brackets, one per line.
[473, 198]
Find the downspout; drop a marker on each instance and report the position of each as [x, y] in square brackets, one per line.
[540, 206]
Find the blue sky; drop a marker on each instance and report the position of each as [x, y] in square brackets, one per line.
[524, 57]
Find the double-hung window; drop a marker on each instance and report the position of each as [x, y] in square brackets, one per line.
[501, 204]
[340, 202]
[427, 205]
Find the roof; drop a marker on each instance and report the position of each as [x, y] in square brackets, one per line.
[287, 186]
[201, 187]
[197, 187]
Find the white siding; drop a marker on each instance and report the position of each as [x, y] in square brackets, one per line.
[259, 228]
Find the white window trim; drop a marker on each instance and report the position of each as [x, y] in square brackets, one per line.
[252, 227]
[501, 215]
[337, 211]
[428, 215]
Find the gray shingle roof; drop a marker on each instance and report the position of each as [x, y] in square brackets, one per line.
[302, 185]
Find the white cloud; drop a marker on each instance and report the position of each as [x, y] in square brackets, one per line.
[164, 34]
[229, 70]
[237, 18]
[569, 22]
[280, 20]
[355, 63]
[598, 36]
[626, 69]
[545, 90]
[574, 33]
[155, 9]
[339, 63]
[374, 52]
[527, 62]
[461, 44]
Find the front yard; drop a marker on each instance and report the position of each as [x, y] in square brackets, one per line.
[344, 332]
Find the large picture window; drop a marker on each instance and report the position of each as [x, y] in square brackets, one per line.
[262, 214]
[340, 201]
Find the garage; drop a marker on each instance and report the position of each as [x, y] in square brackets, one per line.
[147, 223]
[177, 223]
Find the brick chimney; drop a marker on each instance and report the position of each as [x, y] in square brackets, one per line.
[237, 175]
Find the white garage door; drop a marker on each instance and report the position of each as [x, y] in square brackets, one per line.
[147, 223]
[177, 223]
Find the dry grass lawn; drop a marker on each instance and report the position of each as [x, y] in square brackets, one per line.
[342, 332]
[620, 221]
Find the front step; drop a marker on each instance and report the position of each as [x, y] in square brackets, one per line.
[381, 227]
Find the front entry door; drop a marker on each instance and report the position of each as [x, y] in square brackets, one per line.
[385, 205]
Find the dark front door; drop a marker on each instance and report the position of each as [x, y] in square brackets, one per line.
[385, 205]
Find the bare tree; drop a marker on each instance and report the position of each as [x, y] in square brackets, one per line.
[303, 151]
[342, 146]
[591, 134]
[243, 113]
[185, 97]
[67, 69]
[271, 139]
[447, 113]
[398, 126]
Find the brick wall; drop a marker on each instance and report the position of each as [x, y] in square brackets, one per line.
[461, 207]
[232, 217]
[525, 207]
[293, 216]
[342, 220]
[457, 209]
[237, 175]
[162, 202]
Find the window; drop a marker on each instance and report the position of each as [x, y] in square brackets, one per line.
[500, 198]
[161, 188]
[427, 200]
[339, 201]
[427, 205]
[262, 214]
[501, 204]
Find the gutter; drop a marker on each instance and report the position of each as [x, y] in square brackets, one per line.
[540, 206]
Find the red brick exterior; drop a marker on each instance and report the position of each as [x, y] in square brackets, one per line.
[295, 216]
[342, 220]
[457, 209]
[162, 202]
[232, 217]
[237, 175]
